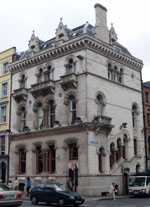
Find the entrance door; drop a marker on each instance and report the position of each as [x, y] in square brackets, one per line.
[125, 183]
[3, 172]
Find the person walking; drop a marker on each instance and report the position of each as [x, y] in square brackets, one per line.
[112, 191]
[15, 184]
[28, 185]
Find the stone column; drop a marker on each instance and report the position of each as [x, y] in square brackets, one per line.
[30, 160]
[92, 154]
[107, 163]
[45, 149]
[13, 162]
[61, 161]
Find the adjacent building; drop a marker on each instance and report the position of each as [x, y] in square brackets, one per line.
[146, 91]
[77, 100]
[6, 57]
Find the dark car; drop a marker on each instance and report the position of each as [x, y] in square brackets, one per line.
[55, 194]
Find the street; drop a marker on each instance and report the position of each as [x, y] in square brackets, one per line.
[128, 202]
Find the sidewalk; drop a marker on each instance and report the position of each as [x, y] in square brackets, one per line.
[104, 198]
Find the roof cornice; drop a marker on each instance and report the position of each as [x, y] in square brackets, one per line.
[73, 45]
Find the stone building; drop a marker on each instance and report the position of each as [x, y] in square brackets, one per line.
[146, 90]
[6, 57]
[76, 98]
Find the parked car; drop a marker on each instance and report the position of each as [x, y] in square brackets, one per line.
[9, 197]
[55, 194]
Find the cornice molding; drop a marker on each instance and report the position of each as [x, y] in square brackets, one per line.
[80, 43]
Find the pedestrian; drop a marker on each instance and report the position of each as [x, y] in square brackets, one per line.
[15, 184]
[75, 177]
[116, 189]
[28, 185]
[112, 191]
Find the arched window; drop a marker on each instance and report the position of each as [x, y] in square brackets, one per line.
[100, 104]
[134, 115]
[22, 161]
[138, 168]
[39, 76]
[39, 160]
[135, 146]
[109, 71]
[73, 151]
[119, 149]
[125, 141]
[101, 159]
[22, 118]
[72, 108]
[112, 154]
[22, 81]
[70, 66]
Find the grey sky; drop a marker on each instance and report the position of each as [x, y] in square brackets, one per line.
[130, 17]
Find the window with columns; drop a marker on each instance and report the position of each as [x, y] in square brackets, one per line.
[49, 73]
[22, 161]
[45, 159]
[115, 73]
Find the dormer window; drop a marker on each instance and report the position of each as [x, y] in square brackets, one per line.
[61, 35]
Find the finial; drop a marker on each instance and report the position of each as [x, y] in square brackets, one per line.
[112, 34]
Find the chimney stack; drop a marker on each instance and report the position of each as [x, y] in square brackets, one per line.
[101, 23]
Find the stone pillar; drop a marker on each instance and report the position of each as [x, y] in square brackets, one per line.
[13, 162]
[61, 161]
[107, 163]
[45, 149]
[30, 160]
[92, 154]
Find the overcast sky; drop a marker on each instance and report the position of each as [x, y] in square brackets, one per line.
[130, 17]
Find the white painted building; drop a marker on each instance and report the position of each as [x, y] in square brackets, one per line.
[76, 98]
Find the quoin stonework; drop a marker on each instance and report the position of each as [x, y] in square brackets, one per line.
[77, 98]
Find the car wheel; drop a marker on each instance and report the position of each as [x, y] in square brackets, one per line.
[34, 200]
[61, 203]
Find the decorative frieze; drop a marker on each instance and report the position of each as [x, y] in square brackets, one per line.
[84, 42]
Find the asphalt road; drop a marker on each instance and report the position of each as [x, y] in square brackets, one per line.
[128, 202]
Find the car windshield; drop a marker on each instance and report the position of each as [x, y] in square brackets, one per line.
[137, 181]
[4, 187]
[59, 188]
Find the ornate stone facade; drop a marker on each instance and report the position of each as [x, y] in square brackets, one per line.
[81, 103]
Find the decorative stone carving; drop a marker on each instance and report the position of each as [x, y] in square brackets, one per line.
[112, 34]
